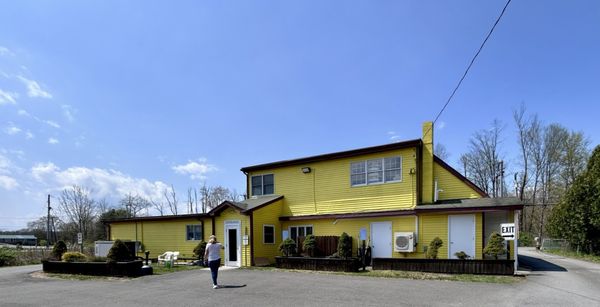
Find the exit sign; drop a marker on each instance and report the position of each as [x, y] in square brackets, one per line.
[507, 231]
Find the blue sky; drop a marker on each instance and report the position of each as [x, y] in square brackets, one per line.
[135, 96]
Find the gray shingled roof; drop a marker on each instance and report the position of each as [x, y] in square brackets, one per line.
[473, 203]
[256, 201]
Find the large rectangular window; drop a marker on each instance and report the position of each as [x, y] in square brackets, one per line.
[376, 171]
[268, 234]
[300, 231]
[193, 232]
[263, 184]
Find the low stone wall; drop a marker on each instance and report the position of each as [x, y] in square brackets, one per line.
[129, 269]
[450, 266]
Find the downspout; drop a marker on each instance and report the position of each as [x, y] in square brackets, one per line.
[247, 187]
[252, 238]
[213, 225]
[419, 160]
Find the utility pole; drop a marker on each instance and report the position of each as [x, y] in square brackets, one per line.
[48, 224]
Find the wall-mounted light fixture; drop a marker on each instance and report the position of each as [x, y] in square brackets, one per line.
[306, 169]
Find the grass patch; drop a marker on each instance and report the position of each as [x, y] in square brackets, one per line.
[78, 277]
[500, 279]
[161, 270]
[571, 254]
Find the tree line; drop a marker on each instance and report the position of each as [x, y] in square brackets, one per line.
[76, 211]
[550, 160]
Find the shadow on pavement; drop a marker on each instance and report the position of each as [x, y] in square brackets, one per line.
[231, 286]
[536, 264]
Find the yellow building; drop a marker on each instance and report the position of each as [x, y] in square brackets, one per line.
[396, 197]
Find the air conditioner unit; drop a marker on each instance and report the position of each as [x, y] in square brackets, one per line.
[404, 242]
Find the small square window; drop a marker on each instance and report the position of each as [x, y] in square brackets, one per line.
[193, 232]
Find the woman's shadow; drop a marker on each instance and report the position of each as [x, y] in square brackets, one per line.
[230, 286]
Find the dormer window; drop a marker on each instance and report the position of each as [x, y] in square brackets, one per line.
[376, 171]
[263, 184]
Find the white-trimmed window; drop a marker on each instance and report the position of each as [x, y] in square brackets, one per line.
[376, 171]
[262, 184]
[300, 231]
[193, 232]
[268, 234]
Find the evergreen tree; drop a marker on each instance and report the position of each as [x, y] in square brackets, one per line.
[118, 252]
[345, 246]
[495, 246]
[577, 216]
[434, 246]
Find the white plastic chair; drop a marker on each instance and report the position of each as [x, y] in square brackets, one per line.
[166, 257]
[174, 257]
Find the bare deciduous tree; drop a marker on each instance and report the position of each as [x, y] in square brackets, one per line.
[159, 206]
[440, 151]
[134, 204]
[171, 198]
[78, 207]
[483, 163]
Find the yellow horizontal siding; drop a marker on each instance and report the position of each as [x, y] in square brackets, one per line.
[268, 215]
[453, 187]
[333, 227]
[232, 214]
[432, 226]
[160, 236]
[327, 188]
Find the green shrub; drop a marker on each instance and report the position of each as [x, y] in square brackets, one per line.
[345, 246]
[8, 256]
[118, 252]
[287, 247]
[199, 250]
[495, 246]
[462, 255]
[42, 242]
[59, 249]
[434, 246]
[309, 245]
[525, 239]
[74, 257]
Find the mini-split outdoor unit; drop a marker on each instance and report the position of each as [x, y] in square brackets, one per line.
[404, 242]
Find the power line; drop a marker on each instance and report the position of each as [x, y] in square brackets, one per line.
[470, 64]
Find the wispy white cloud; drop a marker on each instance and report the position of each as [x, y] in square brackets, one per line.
[23, 113]
[53, 141]
[11, 129]
[103, 182]
[52, 124]
[393, 136]
[8, 183]
[441, 125]
[5, 51]
[8, 97]
[195, 169]
[34, 89]
[29, 135]
[68, 112]
[5, 164]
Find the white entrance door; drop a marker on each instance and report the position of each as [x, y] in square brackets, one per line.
[461, 235]
[233, 244]
[381, 240]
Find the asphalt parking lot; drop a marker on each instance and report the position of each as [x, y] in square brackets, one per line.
[571, 286]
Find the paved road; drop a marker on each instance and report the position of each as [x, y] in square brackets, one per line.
[560, 281]
[565, 283]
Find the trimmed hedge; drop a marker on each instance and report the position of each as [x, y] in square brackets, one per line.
[318, 264]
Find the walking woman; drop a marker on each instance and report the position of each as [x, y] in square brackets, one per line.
[213, 254]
